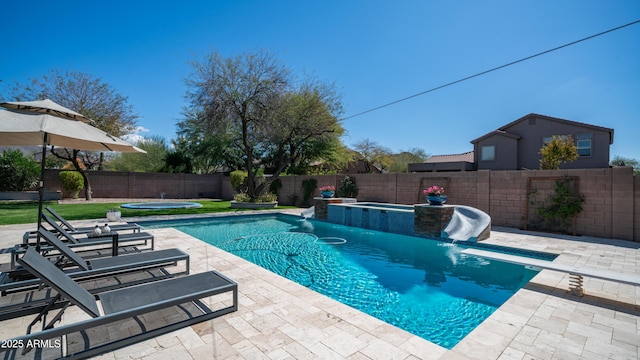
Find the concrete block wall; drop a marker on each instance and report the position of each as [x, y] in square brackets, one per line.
[508, 200]
[292, 192]
[611, 208]
[115, 184]
[636, 208]
[622, 201]
[595, 218]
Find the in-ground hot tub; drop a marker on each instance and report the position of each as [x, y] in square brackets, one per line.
[395, 218]
[466, 223]
[162, 205]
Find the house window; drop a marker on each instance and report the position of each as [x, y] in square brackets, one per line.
[488, 153]
[583, 143]
[546, 140]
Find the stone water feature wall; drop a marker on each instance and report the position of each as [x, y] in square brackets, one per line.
[430, 220]
[433, 221]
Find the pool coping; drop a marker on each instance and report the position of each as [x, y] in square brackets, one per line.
[281, 319]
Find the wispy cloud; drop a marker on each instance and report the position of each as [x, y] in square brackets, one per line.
[136, 135]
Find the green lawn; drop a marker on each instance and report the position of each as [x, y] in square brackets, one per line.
[27, 212]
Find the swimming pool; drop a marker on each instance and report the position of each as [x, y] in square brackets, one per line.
[423, 286]
[162, 205]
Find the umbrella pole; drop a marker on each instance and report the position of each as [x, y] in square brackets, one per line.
[41, 191]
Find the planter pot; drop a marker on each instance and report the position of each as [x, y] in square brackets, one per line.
[113, 215]
[252, 205]
[327, 194]
[437, 200]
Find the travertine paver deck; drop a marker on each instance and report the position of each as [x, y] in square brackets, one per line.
[279, 319]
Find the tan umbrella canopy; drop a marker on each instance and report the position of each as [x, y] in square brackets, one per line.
[48, 123]
[46, 106]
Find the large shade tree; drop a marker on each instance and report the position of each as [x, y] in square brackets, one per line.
[303, 129]
[209, 151]
[251, 105]
[87, 95]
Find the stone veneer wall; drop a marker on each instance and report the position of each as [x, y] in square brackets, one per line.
[430, 220]
[321, 206]
[611, 208]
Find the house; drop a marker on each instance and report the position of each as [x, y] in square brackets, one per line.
[516, 146]
[454, 162]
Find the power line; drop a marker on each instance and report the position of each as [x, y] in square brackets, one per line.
[490, 70]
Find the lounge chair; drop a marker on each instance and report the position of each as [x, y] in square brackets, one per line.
[104, 273]
[93, 245]
[87, 230]
[63, 223]
[82, 269]
[176, 302]
[142, 237]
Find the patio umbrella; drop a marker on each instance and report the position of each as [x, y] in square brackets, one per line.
[48, 123]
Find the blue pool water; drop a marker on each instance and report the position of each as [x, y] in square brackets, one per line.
[162, 205]
[423, 286]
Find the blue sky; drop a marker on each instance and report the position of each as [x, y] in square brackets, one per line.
[374, 51]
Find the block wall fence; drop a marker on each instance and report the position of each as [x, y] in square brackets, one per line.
[611, 208]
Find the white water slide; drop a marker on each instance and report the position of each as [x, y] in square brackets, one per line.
[468, 224]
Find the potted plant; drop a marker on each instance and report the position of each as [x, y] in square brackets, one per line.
[435, 195]
[113, 215]
[327, 191]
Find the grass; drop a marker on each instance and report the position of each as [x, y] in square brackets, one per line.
[27, 212]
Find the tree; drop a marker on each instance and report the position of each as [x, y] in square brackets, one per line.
[154, 160]
[17, 172]
[558, 150]
[373, 155]
[249, 104]
[303, 129]
[177, 161]
[88, 96]
[622, 161]
[209, 151]
[400, 162]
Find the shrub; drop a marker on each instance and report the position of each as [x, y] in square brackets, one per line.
[308, 188]
[239, 180]
[275, 186]
[563, 206]
[558, 211]
[241, 197]
[267, 197]
[244, 197]
[17, 172]
[347, 187]
[72, 182]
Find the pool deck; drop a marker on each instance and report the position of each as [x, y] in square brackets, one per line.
[279, 319]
